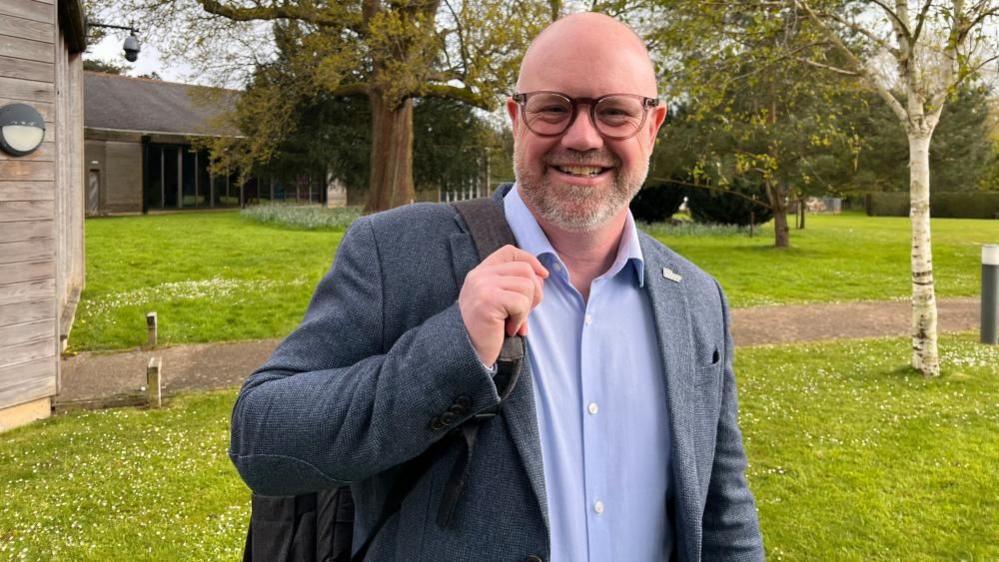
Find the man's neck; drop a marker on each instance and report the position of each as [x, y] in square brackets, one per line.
[586, 255]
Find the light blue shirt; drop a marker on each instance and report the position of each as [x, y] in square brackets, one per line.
[599, 391]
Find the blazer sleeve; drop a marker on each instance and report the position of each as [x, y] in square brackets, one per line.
[731, 529]
[335, 404]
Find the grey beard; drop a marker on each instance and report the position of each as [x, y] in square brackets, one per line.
[571, 207]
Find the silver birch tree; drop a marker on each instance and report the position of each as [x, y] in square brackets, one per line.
[914, 54]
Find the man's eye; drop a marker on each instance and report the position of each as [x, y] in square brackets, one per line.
[553, 110]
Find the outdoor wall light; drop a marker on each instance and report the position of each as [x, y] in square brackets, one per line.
[22, 129]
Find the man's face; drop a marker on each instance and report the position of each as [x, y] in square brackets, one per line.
[580, 180]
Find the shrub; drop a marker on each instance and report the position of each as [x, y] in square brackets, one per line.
[657, 202]
[956, 205]
[722, 207]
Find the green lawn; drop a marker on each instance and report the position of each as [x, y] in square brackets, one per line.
[208, 276]
[220, 276]
[852, 457]
[847, 257]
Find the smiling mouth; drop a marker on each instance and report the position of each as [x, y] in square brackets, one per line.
[581, 171]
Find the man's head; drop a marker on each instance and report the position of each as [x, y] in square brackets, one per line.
[581, 179]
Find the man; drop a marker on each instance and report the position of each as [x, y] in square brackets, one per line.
[620, 440]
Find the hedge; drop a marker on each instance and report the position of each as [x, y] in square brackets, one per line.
[976, 205]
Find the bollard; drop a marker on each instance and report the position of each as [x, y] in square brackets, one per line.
[990, 294]
[154, 391]
[151, 329]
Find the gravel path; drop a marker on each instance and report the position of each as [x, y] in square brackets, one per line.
[110, 379]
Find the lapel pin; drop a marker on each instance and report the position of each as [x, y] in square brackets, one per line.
[672, 275]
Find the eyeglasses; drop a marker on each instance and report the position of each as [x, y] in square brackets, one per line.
[615, 116]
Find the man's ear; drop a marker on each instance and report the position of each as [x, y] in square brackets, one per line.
[513, 110]
[658, 118]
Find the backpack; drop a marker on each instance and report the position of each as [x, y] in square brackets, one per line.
[318, 527]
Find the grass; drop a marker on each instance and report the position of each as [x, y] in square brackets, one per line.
[847, 257]
[222, 276]
[852, 457]
[209, 277]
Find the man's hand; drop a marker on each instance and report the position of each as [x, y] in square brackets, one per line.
[496, 298]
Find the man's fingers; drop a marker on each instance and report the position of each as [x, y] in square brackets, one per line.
[510, 253]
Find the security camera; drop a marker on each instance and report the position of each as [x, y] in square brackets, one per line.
[131, 48]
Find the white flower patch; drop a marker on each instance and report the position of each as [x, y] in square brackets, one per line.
[215, 289]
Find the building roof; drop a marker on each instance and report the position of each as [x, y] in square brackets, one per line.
[121, 103]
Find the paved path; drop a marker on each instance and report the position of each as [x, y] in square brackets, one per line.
[107, 379]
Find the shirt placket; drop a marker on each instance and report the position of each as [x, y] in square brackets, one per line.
[594, 430]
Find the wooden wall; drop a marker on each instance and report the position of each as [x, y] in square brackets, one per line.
[41, 231]
[118, 161]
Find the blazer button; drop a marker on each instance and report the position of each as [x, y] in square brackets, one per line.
[448, 418]
[533, 558]
[463, 401]
[457, 410]
[436, 424]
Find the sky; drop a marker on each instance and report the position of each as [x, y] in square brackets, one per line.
[109, 50]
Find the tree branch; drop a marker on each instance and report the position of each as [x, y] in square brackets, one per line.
[465, 95]
[828, 67]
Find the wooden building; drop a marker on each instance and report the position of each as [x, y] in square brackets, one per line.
[140, 154]
[41, 202]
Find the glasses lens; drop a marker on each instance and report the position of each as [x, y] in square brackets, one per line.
[547, 114]
[619, 116]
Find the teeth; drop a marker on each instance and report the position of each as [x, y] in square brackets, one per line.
[581, 170]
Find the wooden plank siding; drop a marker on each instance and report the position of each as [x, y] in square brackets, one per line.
[26, 250]
[18, 231]
[25, 271]
[27, 90]
[27, 170]
[27, 69]
[38, 231]
[26, 312]
[22, 292]
[28, 380]
[26, 191]
[16, 211]
[27, 29]
[42, 12]
[26, 49]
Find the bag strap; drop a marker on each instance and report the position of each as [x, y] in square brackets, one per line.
[487, 224]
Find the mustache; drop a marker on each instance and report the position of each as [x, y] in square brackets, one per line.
[601, 158]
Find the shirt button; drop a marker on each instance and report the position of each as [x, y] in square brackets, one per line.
[593, 408]
[557, 266]
[588, 319]
[598, 506]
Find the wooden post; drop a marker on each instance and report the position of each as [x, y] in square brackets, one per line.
[197, 173]
[151, 329]
[154, 389]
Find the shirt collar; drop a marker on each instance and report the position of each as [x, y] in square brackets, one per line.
[531, 238]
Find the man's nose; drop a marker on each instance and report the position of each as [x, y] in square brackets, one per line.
[582, 135]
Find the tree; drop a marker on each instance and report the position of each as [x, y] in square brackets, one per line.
[96, 65]
[959, 154]
[744, 112]
[914, 54]
[390, 52]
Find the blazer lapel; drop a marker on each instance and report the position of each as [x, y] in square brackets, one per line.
[518, 410]
[673, 328]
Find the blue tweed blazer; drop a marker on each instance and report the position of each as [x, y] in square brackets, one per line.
[382, 351]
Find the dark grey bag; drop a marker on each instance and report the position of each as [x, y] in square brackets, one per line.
[318, 527]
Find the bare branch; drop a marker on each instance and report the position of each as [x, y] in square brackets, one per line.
[828, 67]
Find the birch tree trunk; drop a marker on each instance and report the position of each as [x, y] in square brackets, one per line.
[391, 183]
[925, 356]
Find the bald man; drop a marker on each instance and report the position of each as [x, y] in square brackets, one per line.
[619, 442]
